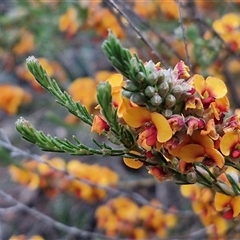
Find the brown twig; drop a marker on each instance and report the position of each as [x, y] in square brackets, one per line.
[73, 231]
[135, 28]
[188, 61]
[162, 38]
[5, 143]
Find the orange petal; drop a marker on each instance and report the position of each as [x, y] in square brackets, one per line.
[228, 141]
[137, 116]
[235, 204]
[216, 87]
[216, 156]
[115, 80]
[192, 153]
[202, 140]
[132, 163]
[199, 84]
[221, 201]
[190, 191]
[220, 226]
[164, 131]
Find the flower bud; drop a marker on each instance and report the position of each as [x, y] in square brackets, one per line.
[191, 177]
[170, 101]
[135, 64]
[167, 113]
[104, 93]
[151, 108]
[149, 91]
[177, 91]
[156, 100]
[126, 93]
[163, 89]
[234, 176]
[130, 86]
[227, 190]
[150, 66]
[138, 98]
[152, 79]
[182, 70]
[99, 125]
[140, 76]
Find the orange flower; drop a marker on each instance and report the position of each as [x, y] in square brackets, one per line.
[25, 177]
[116, 82]
[83, 90]
[155, 126]
[219, 107]
[230, 144]
[210, 130]
[182, 70]
[228, 204]
[99, 125]
[191, 191]
[25, 44]
[68, 22]
[227, 24]
[104, 20]
[132, 163]
[12, 97]
[209, 89]
[228, 28]
[233, 122]
[146, 9]
[196, 148]
[169, 9]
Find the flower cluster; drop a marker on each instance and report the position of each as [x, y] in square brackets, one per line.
[178, 125]
[88, 96]
[52, 178]
[12, 97]
[24, 237]
[228, 28]
[203, 206]
[214, 209]
[122, 217]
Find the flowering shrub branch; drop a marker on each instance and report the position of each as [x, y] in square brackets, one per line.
[173, 123]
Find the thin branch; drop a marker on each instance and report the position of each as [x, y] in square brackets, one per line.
[40, 216]
[231, 85]
[202, 23]
[135, 28]
[129, 33]
[113, 191]
[162, 38]
[188, 61]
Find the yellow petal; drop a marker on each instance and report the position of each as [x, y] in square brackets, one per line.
[132, 163]
[115, 80]
[216, 86]
[102, 76]
[220, 226]
[190, 191]
[199, 83]
[216, 156]
[221, 201]
[202, 140]
[136, 116]
[228, 140]
[192, 153]
[164, 131]
[235, 204]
